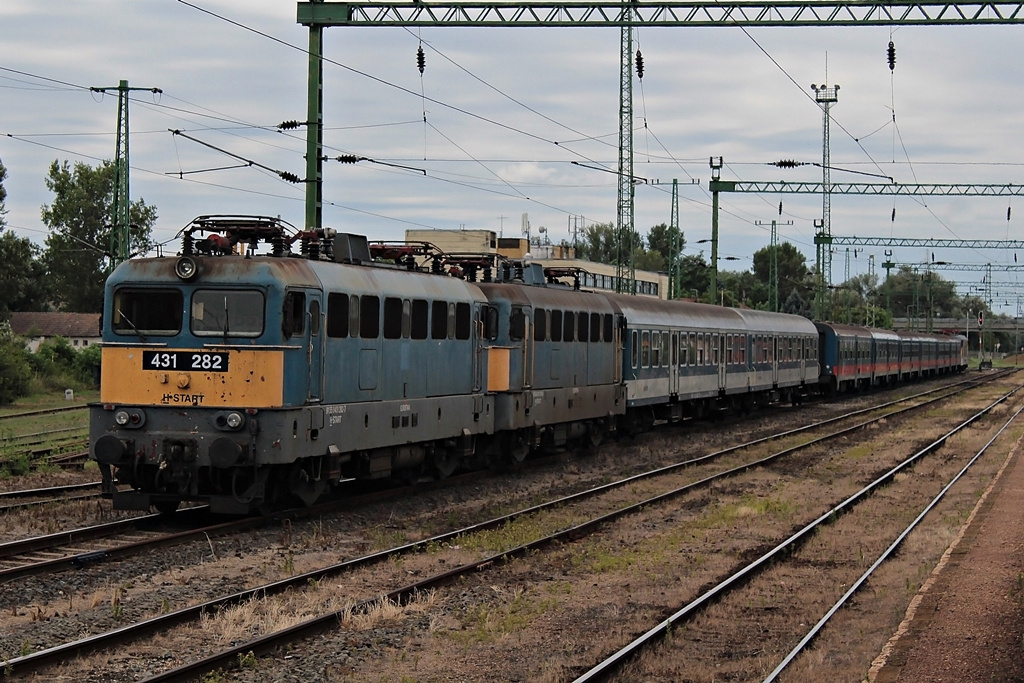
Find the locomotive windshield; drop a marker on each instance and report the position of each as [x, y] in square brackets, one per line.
[227, 313]
[143, 312]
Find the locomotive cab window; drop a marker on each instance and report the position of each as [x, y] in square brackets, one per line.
[147, 312]
[238, 313]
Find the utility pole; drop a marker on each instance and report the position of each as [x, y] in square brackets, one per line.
[773, 267]
[716, 172]
[825, 96]
[120, 219]
[624, 271]
[674, 244]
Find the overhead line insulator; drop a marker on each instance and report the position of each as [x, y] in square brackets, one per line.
[639, 65]
[421, 59]
[891, 54]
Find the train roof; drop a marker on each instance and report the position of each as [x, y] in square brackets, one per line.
[781, 323]
[644, 311]
[549, 297]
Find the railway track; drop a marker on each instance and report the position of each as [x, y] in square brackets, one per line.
[788, 550]
[15, 500]
[405, 593]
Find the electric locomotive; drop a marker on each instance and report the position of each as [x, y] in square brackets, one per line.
[237, 380]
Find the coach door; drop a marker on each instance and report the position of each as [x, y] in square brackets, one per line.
[719, 358]
[673, 365]
[315, 348]
[775, 359]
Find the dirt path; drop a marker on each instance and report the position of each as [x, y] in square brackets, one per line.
[968, 624]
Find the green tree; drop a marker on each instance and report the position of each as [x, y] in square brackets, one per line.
[3, 196]
[694, 275]
[22, 278]
[79, 219]
[599, 243]
[793, 273]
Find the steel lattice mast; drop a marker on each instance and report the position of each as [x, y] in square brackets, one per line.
[120, 219]
[624, 272]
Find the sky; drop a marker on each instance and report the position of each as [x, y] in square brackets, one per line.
[491, 129]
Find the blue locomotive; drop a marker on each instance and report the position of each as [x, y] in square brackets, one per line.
[242, 374]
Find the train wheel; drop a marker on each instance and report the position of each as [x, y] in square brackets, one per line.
[515, 447]
[166, 507]
[445, 462]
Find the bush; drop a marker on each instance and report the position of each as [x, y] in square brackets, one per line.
[15, 366]
[58, 366]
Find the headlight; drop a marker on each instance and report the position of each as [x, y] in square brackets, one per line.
[130, 418]
[228, 420]
[186, 268]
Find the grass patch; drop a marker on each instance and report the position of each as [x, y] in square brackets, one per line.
[486, 623]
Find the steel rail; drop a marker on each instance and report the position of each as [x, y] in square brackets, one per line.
[816, 629]
[405, 594]
[48, 411]
[192, 613]
[613, 663]
[48, 491]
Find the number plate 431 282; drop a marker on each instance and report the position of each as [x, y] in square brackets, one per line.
[198, 361]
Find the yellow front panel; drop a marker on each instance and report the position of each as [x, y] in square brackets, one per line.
[497, 369]
[254, 379]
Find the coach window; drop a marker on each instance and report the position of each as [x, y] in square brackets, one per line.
[607, 330]
[439, 320]
[418, 319]
[540, 325]
[645, 348]
[462, 321]
[595, 327]
[568, 326]
[582, 326]
[715, 351]
[369, 317]
[337, 315]
[699, 356]
[392, 318]
[556, 326]
[743, 348]
[655, 349]
[634, 350]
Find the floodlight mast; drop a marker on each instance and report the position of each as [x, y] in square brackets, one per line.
[626, 14]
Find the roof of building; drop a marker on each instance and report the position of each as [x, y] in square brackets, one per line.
[56, 324]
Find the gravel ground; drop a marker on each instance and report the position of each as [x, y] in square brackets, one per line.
[967, 624]
[504, 615]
